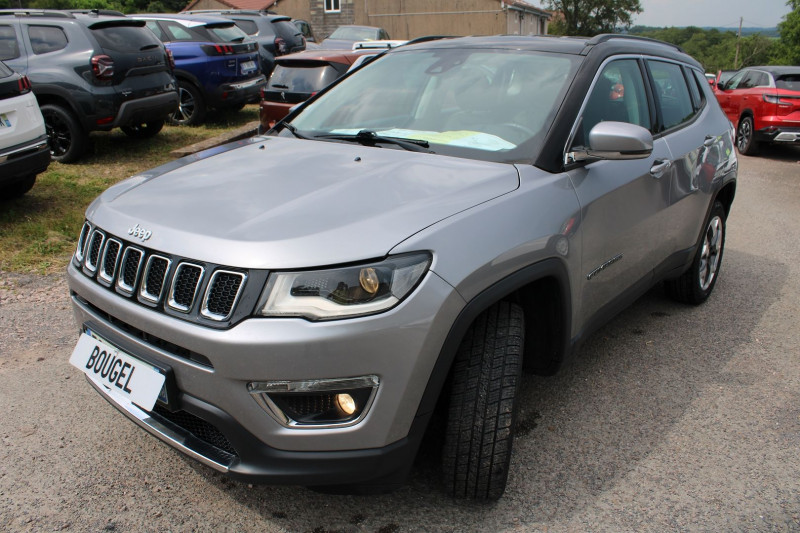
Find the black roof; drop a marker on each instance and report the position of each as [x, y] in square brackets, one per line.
[776, 70]
[607, 43]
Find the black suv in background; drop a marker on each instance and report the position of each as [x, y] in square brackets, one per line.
[90, 71]
[276, 35]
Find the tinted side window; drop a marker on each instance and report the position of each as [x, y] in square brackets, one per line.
[672, 94]
[178, 33]
[125, 38]
[247, 26]
[9, 48]
[694, 88]
[618, 95]
[46, 39]
[156, 29]
[734, 82]
[788, 81]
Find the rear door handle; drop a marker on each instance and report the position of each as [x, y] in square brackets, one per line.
[659, 167]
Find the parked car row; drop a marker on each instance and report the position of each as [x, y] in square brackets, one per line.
[96, 70]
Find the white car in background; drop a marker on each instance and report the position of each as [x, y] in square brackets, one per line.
[24, 151]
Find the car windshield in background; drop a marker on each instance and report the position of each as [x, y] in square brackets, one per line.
[493, 105]
[302, 77]
[354, 34]
[788, 81]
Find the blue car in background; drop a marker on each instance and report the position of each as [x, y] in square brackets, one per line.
[216, 63]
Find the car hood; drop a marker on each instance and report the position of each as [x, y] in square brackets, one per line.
[289, 203]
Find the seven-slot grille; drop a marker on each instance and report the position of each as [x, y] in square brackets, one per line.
[154, 280]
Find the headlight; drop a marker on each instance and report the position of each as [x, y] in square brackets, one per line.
[343, 292]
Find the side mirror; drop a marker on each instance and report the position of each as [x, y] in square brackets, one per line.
[615, 141]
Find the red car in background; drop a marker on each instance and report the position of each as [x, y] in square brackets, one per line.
[299, 76]
[764, 104]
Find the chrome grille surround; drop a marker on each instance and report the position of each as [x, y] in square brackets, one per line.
[92, 254]
[131, 266]
[187, 279]
[154, 279]
[109, 261]
[82, 240]
[219, 288]
[207, 294]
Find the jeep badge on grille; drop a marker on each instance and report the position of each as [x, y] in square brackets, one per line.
[139, 233]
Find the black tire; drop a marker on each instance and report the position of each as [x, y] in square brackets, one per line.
[480, 423]
[66, 136]
[696, 284]
[144, 130]
[745, 140]
[191, 106]
[18, 188]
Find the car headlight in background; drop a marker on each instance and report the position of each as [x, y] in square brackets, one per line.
[345, 291]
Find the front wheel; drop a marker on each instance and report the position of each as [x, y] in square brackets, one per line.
[745, 140]
[480, 425]
[144, 130]
[696, 284]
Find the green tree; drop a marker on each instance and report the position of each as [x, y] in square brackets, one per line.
[591, 17]
[787, 50]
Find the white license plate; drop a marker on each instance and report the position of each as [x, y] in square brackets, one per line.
[121, 374]
[5, 122]
[248, 66]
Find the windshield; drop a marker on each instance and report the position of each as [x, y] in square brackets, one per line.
[485, 104]
[354, 34]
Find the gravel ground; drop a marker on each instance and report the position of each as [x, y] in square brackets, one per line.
[671, 418]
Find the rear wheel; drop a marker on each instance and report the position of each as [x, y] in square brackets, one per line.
[480, 426]
[696, 284]
[191, 107]
[745, 140]
[65, 134]
[144, 130]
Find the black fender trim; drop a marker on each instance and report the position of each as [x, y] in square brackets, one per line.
[552, 267]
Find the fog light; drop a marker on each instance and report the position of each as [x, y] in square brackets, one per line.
[316, 403]
[346, 403]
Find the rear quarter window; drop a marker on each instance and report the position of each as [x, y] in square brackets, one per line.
[5, 71]
[9, 48]
[46, 39]
[125, 38]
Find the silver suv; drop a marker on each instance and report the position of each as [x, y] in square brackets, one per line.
[295, 308]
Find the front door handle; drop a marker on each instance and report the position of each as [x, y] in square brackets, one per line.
[709, 140]
[659, 167]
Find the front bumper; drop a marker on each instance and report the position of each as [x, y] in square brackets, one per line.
[399, 346]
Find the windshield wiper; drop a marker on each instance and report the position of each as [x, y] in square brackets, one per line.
[370, 138]
[293, 130]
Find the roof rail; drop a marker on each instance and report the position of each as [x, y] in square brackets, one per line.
[604, 37]
[109, 12]
[37, 13]
[225, 11]
[427, 38]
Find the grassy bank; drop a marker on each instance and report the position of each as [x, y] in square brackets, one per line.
[39, 230]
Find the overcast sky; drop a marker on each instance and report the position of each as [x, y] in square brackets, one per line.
[717, 13]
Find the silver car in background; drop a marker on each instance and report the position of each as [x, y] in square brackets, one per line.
[295, 307]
